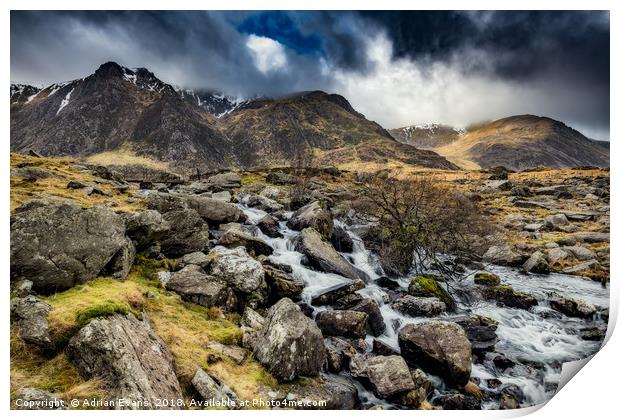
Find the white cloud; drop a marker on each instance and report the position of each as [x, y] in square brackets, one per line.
[269, 55]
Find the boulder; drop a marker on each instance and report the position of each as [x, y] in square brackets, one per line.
[555, 255]
[438, 347]
[556, 221]
[331, 295]
[581, 253]
[214, 391]
[224, 181]
[145, 227]
[571, 307]
[456, 401]
[322, 255]
[236, 353]
[591, 237]
[480, 331]
[282, 284]
[342, 323]
[30, 316]
[59, 245]
[240, 271]
[376, 325]
[537, 263]
[281, 178]
[332, 393]
[261, 202]
[419, 306]
[235, 237]
[387, 283]
[507, 296]
[486, 279]
[428, 286]
[583, 267]
[313, 215]
[188, 233]
[423, 387]
[339, 352]
[196, 258]
[252, 319]
[341, 240]
[31, 173]
[502, 255]
[290, 344]
[215, 211]
[194, 285]
[128, 359]
[269, 226]
[388, 376]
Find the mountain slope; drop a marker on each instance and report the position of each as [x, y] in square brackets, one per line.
[426, 136]
[122, 109]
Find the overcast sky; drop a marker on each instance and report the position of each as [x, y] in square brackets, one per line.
[397, 68]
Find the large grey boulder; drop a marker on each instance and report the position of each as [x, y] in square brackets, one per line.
[537, 263]
[332, 393]
[211, 210]
[419, 306]
[214, 391]
[188, 233]
[282, 284]
[235, 236]
[240, 271]
[194, 285]
[146, 227]
[388, 376]
[502, 255]
[438, 347]
[343, 323]
[322, 255]
[30, 316]
[269, 226]
[289, 344]
[224, 181]
[315, 216]
[128, 358]
[59, 245]
[376, 324]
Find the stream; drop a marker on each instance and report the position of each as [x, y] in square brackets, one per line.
[541, 339]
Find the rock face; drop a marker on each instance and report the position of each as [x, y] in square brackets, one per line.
[57, 246]
[290, 344]
[387, 375]
[350, 324]
[127, 357]
[419, 306]
[312, 215]
[194, 285]
[322, 255]
[439, 347]
[188, 233]
[30, 316]
[212, 389]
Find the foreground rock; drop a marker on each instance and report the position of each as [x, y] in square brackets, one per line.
[214, 391]
[57, 245]
[323, 256]
[419, 306]
[438, 347]
[315, 216]
[194, 285]
[571, 307]
[387, 375]
[30, 317]
[131, 362]
[480, 331]
[146, 227]
[350, 324]
[290, 344]
[188, 233]
[240, 271]
[333, 393]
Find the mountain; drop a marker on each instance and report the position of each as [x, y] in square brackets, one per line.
[524, 141]
[132, 111]
[21, 93]
[426, 136]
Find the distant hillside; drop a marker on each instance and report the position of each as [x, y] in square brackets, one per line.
[426, 136]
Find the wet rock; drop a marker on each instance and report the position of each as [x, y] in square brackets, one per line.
[502, 255]
[341, 240]
[342, 323]
[507, 296]
[376, 325]
[537, 264]
[212, 389]
[269, 226]
[592, 334]
[236, 353]
[332, 393]
[126, 356]
[290, 344]
[322, 255]
[419, 306]
[282, 284]
[30, 317]
[236, 237]
[315, 216]
[37, 399]
[145, 227]
[502, 362]
[486, 279]
[349, 300]
[480, 331]
[240, 271]
[571, 307]
[388, 376]
[58, 245]
[194, 285]
[458, 402]
[335, 293]
[188, 233]
[387, 283]
[428, 286]
[438, 347]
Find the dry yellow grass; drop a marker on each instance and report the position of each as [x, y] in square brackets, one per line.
[125, 156]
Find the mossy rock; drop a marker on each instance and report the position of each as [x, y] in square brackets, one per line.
[486, 279]
[428, 286]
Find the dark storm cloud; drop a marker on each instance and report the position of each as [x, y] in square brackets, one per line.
[552, 63]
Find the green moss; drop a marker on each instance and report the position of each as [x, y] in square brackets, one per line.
[486, 279]
[427, 286]
[102, 310]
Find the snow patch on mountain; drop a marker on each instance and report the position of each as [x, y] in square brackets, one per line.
[65, 101]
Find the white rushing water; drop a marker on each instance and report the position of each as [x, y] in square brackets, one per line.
[541, 339]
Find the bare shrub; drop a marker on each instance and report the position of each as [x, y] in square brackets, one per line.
[302, 168]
